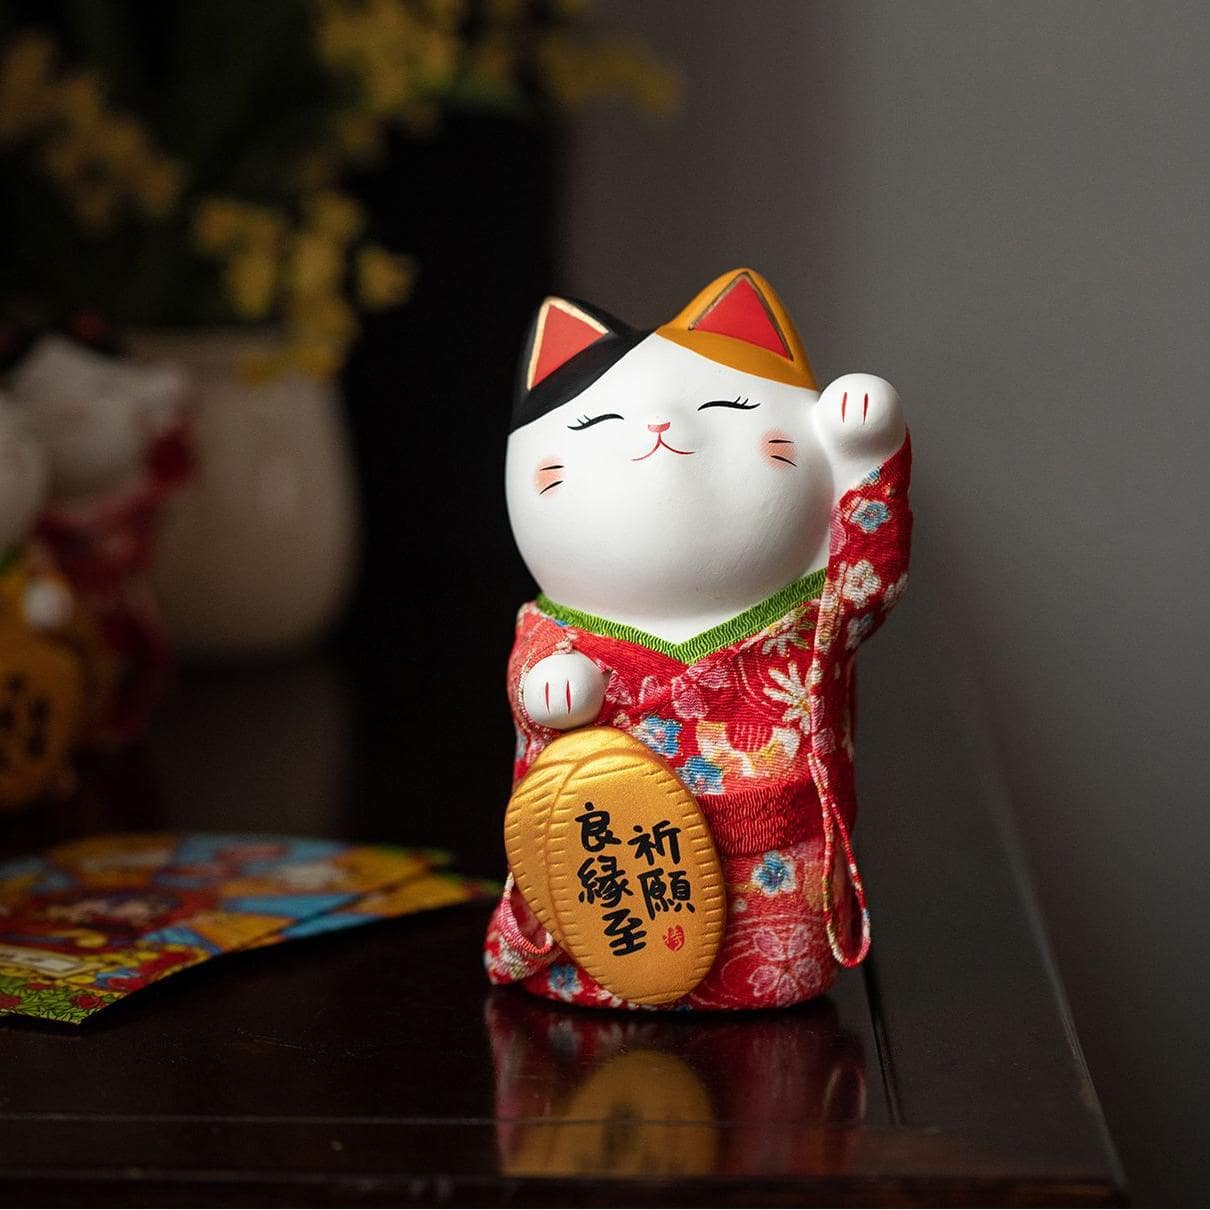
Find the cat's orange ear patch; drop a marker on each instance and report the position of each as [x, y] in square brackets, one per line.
[560, 332]
[740, 312]
[739, 320]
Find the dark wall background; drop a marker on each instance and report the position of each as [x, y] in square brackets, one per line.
[1003, 209]
[429, 394]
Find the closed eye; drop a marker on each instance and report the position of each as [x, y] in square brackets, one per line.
[742, 404]
[586, 422]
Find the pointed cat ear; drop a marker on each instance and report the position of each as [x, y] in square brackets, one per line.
[561, 330]
[739, 320]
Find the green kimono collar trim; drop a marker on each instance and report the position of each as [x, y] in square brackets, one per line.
[752, 620]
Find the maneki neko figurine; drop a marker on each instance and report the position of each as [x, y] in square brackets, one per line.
[42, 677]
[117, 439]
[713, 538]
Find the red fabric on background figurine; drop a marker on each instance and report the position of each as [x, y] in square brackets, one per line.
[714, 538]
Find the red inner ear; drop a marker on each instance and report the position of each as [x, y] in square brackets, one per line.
[562, 333]
[740, 312]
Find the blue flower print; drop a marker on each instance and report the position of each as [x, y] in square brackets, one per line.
[871, 515]
[662, 735]
[700, 776]
[775, 875]
[564, 980]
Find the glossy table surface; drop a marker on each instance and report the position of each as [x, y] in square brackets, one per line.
[376, 1066]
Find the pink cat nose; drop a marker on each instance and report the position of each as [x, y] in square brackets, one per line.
[660, 428]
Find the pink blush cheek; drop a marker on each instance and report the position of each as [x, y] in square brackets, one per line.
[548, 474]
[777, 448]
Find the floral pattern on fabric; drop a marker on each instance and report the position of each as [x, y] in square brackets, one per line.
[774, 952]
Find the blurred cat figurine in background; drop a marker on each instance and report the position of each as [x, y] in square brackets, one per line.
[116, 436]
[713, 537]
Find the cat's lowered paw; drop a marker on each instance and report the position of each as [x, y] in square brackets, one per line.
[563, 691]
[859, 418]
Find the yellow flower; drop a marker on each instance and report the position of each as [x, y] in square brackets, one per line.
[387, 84]
[319, 331]
[80, 100]
[316, 264]
[251, 281]
[25, 72]
[576, 73]
[337, 215]
[27, 63]
[221, 224]
[216, 223]
[383, 278]
[64, 159]
[318, 359]
[157, 186]
[258, 368]
[119, 139]
[325, 317]
[439, 55]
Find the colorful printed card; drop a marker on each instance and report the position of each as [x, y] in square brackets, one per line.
[90, 922]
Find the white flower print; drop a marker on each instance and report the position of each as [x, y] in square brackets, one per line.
[794, 695]
[778, 643]
[861, 582]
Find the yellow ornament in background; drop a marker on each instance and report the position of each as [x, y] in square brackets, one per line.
[41, 687]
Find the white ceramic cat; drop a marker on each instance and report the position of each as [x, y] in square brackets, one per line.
[681, 476]
[95, 415]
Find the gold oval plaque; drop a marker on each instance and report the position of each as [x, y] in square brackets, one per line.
[614, 856]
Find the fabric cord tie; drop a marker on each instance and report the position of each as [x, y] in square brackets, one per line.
[510, 930]
[833, 823]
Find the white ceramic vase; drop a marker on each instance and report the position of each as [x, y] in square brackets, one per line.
[257, 556]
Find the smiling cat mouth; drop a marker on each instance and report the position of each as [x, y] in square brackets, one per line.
[659, 440]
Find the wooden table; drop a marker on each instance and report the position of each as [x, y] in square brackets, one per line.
[376, 1067]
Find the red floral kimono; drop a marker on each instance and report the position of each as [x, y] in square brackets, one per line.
[755, 716]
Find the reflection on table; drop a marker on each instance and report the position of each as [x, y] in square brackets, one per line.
[582, 1092]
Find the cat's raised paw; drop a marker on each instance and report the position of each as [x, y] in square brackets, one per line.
[859, 415]
[563, 691]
